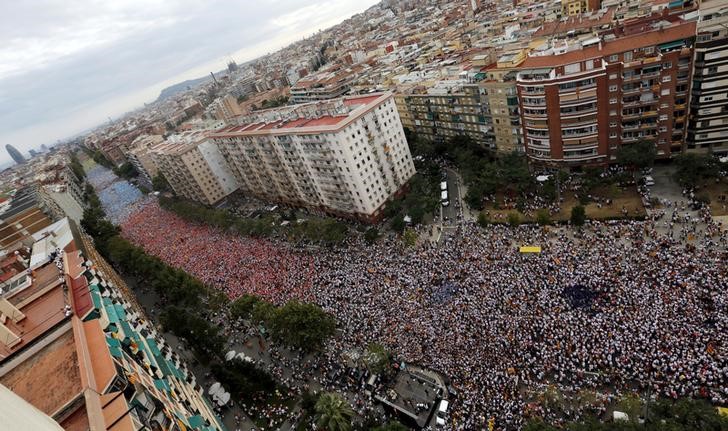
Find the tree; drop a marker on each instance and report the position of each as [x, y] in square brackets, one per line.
[514, 219]
[371, 235]
[483, 219]
[409, 237]
[203, 337]
[126, 170]
[694, 168]
[376, 358]
[578, 215]
[632, 405]
[398, 224]
[636, 156]
[543, 217]
[242, 308]
[301, 325]
[160, 184]
[333, 413]
[243, 379]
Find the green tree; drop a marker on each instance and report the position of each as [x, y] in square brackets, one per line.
[578, 215]
[242, 308]
[243, 379]
[409, 237]
[632, 405]
[514, 219]
[126, 170]
[692, 168]
[333, 413]
[635, 156]
[302, 325]
[543, 217]
[160, 184]
[371, 235]
[264, 312]
[376, 358]
[203, 337]
[483, 220]
[398, 224]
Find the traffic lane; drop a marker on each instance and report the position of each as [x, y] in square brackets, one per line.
[453, 191]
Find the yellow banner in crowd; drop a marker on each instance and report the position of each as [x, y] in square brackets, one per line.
[530, 249]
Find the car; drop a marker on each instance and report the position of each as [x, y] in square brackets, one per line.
[445, 203]
[649, 181]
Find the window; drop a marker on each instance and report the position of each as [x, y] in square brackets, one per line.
[667, 65]
[613, 76]
[613, 112]
[663, 129]
[572, 68]
[612, 88]
[612, 134]
[612, 124]
[649, 50]
[666, 78]
[613, 58]
[663, 117]
[628, 56]
[665, 92]
[612, 101]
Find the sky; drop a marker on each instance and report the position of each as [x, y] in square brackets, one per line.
[69, 65]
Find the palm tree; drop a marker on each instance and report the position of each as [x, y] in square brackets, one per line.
[333, 413]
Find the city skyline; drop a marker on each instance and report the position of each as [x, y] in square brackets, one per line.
[59, 79]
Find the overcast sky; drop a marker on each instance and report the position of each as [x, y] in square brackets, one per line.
[67, 65]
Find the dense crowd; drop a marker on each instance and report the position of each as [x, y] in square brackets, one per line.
[649, 312]
[232, 263]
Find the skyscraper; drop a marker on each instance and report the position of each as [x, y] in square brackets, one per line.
[15, 154]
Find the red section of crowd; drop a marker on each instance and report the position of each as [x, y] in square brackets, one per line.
[232, 263]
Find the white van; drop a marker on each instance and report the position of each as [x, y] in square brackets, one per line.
[444, 404]
[443, 186]
[443, 195]
[649, 181]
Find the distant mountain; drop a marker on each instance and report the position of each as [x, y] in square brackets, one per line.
[182, 86]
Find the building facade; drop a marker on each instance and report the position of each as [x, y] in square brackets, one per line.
[580, 106]
[140, 155]
[195, 168]
[446, 110]
[344, 157]
[708, 125]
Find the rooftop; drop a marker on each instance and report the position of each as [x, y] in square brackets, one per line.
[355, 105]
[50, 378]
[681, 31]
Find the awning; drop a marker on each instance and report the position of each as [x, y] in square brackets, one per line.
[676, 3]
[152, 343]
[162, 385]
[197, 421]
[672, 45]
[114, 346]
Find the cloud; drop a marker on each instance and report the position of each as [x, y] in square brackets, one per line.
[67, 66]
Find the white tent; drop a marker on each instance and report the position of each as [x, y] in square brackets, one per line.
[214, 388]
[230, 355]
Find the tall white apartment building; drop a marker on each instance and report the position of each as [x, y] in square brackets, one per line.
[342, 157]
[194, 167]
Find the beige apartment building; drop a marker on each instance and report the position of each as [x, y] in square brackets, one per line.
[194, 167]
[140, 155]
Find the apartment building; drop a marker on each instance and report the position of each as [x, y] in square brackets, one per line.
[580, 103]
[708, 125]
[327, 84]
[502, 102]
[75, 347]
[224, 108]
[344, 157]
[194, 167]
[140, 155]
[445, 110]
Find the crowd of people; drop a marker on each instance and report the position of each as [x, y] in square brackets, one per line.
[607, 310]
[229, 262]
